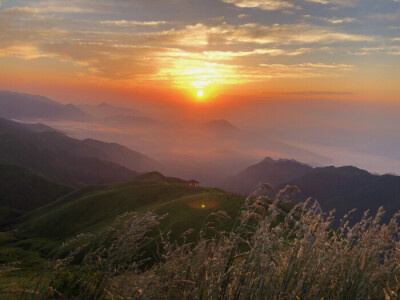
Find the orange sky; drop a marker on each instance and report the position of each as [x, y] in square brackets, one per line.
[94, 51]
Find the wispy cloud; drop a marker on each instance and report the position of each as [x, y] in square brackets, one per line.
[306, 70]
[127, 23]
[394, 50]
[348, 3]
[45, 10]
[332, 20]
[262, 4]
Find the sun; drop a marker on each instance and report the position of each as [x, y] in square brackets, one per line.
[200, 93]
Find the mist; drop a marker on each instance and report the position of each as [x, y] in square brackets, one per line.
[210, 147]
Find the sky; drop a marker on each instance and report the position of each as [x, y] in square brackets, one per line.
[320, 75]
[224, 52]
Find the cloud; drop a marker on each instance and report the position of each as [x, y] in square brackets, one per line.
[332, 20]
[45, 10]
[126, 23]
[196, 54]
[227, 55]
[369, 50]
[392, 16]
[319, 1]
[306, 70]
[389, 50]
[316, 93]
[109, 61]
[338, 21]
[262, 4]
[289, 34]
[349, 3]
[201, 35]
[26, 52]
[394, 50]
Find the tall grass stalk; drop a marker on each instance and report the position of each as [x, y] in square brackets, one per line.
[270, 253]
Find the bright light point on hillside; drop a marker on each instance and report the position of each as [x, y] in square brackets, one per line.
[203, 206]
[200, 93]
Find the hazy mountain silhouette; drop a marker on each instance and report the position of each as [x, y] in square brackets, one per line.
[27, 107]
[40, 128]
[339, 188]
[122, 155]
[274, 172]
[346, 188]
[57, 156]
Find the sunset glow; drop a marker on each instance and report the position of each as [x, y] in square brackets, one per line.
[249, 48]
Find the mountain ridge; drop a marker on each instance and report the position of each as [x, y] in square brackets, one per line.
[21, 106]
[48, 153]
[340, 188]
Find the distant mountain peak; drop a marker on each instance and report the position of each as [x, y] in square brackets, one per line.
[274, 172]
[270, 160]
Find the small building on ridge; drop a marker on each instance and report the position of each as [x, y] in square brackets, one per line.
[193, 183]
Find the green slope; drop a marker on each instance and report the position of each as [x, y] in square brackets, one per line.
[22, 190]
[92, 210]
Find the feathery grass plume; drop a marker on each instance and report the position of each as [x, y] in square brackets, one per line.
[269, 253]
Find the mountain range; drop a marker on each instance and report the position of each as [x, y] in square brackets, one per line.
[339, 188]
[70, 161]
[27, 107]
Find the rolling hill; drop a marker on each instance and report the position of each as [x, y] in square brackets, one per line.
[22, 190]
[92, 210]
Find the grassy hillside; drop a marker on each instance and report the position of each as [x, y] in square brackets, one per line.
[94, 209]
[24, 190]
